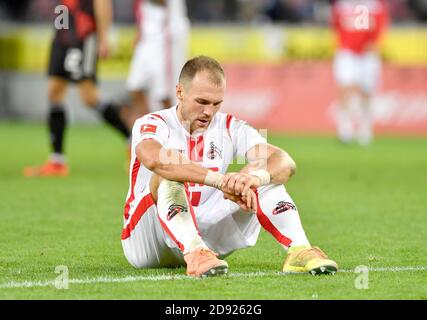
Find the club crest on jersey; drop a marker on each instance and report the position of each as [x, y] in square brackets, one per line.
[175, 209]
[283, 206]
[214, 151]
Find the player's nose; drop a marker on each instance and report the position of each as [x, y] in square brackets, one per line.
[209, 111]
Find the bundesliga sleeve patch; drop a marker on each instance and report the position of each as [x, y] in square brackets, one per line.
[148, 128]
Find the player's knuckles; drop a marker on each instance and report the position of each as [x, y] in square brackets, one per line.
[231, 184]
[242, 178]
[227, 177]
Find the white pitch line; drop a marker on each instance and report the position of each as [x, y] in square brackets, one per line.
[31, 284]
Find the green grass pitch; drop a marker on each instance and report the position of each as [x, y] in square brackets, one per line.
[363, 206]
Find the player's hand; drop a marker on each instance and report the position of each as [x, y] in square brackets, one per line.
[247, 203]
[103, 49]
[239, 183]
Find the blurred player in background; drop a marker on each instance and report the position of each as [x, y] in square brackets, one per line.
[160, 52]
[359, 25]
[183, 208]
[73, 58]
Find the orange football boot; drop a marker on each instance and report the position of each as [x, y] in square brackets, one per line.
[49, 169]
[203, 262]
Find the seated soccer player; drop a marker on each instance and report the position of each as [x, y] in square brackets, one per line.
[183, 208]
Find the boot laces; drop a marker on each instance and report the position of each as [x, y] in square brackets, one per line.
[314, 252]
[203, 256]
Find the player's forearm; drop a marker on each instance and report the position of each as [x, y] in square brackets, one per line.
[183, 171]
[279, 165]
[273, 164]
[104, 17]
[169, 164]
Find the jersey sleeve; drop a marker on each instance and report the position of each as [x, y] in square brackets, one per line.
[150, 127]
[244, 137]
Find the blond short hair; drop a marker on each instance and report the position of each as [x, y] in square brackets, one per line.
[202, 63]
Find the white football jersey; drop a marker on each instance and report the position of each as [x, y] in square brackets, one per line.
[225, 139]
[156, 21]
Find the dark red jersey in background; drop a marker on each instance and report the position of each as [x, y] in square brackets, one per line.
[82, 22]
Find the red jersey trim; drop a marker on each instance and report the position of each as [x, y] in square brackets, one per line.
[165, 227]
[135, 170]
[228, 124]
[158, 116]
[145, 203]
[268, 225]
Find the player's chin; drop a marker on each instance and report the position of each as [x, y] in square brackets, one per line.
[202, 124]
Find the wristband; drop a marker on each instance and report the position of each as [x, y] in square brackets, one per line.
[214, 179]
[263, 175]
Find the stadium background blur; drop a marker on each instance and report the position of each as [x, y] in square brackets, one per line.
[277, 55]
[364, 206]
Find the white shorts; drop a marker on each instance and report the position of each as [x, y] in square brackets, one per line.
[363, 71]
[156, 65]
[222, 225]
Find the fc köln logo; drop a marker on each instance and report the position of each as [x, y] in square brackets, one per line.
[174, 209]
[283, 206]
[213, 152]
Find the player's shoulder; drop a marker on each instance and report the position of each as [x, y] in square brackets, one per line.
[224, 118]
[228, 122]
[161, 116]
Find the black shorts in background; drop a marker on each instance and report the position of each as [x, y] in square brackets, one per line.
[75, 62]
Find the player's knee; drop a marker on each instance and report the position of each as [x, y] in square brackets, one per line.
[154, 186]
[89, 93]
[292, 166]
[56, 91]
[89, 99]
[347, 93]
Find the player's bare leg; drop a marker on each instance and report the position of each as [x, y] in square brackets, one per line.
[278, 214]
[55, 166]
[166, 102]
[345, 130]
[109, 112]
[364, 130]
[177, 219]
[140, 106]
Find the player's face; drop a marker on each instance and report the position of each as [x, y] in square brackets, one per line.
[200, 101]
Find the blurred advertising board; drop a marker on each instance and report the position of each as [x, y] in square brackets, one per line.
[279, 77]
[299, 98]
[26, 48]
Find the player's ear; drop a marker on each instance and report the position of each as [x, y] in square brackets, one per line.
[179, 91]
